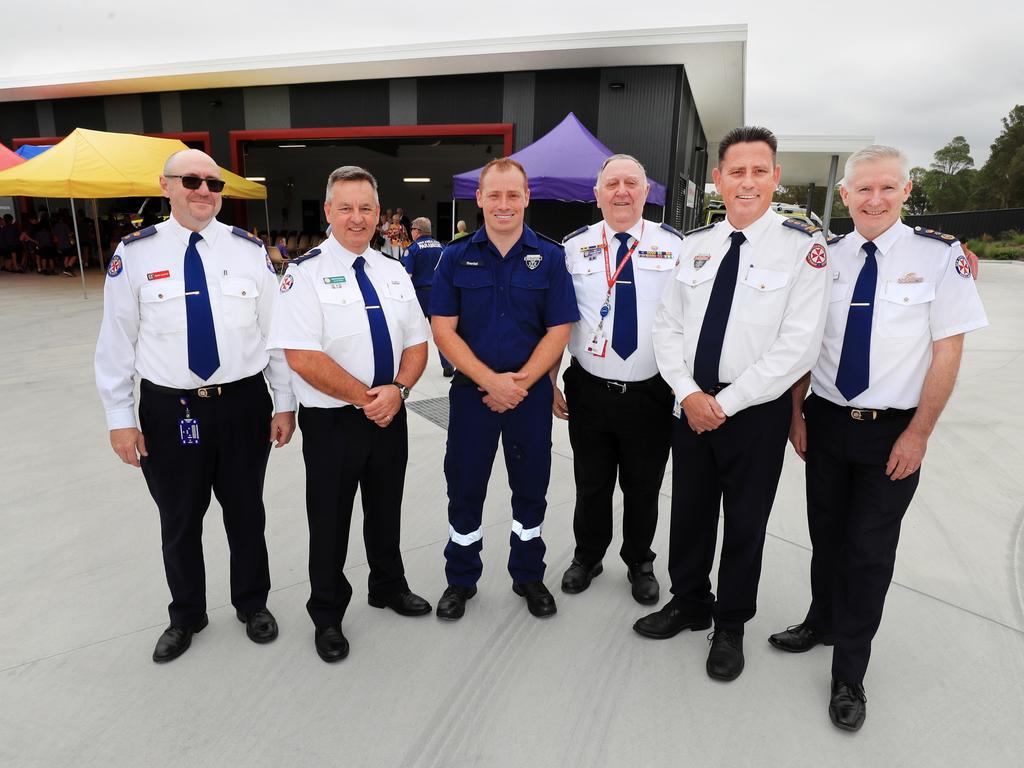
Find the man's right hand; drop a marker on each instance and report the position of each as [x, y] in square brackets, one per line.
[504, 389]
[703, 413]
[558, 405]
[128, 444]
[798, 435]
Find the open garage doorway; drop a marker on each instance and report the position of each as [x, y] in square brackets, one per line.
[413, 165]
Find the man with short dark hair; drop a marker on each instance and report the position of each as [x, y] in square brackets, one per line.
[618, 406]
[741, 321]
[421, 258]
[901, 301]
[501, 306]
[187, 306]
[356, 341]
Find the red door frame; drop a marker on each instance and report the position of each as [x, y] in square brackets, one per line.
[236, 138]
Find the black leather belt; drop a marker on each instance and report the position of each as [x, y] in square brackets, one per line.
[868, 414]
[620, 387]
[212, 390]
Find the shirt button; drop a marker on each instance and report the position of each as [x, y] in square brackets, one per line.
[159, 295]
[243, 292]
[906, 299]
[693, 282]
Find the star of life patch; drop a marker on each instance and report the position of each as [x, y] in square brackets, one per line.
[817, 257]
[963, 267]
[115, 266]
[286, 283]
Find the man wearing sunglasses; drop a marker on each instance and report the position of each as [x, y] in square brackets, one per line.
[187, 307]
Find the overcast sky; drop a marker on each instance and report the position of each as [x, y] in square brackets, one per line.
[911, 74]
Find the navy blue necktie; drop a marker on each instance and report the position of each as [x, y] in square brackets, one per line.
[383, 353]
[624, 330]
[716, 318]
[203, 359]
[855, 360]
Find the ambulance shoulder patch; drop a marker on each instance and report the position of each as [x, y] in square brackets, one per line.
[134, 237]
[239, 232]
[802, 225]
[817, 256]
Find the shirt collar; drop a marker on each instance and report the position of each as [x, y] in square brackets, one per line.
[634, 232]
[885, 241]
[346, 256]
[209, 233]
[753, 231]
[528, 238]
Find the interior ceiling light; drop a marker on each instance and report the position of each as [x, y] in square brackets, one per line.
[255, 178]
[416, 180]
[291, 146]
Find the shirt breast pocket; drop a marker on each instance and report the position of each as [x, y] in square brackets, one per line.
[651, 276]
[697, 285]
[529, 294]
[238, 301]
[162, 306]
[762, 296]
[476, 292]
[904, 309]
[838, 308]
[344, 312]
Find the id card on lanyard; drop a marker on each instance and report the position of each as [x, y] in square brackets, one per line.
[597, 341]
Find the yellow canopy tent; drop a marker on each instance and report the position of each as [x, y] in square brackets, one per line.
[91, 164]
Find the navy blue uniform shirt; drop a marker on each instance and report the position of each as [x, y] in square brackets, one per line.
[504, 305]
[420, 259]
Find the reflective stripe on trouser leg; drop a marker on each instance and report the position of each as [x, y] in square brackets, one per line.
[472, 442]
[526, 440]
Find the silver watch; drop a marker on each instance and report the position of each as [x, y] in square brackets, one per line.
[402, 390]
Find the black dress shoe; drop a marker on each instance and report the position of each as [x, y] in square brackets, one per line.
[799, 638]
[725, 660]
[330, 643]
[176, 640]
[260, 626]
[452, 604]
[540, 602]
[577, 577]
[405, 604]
[669, 622]
[848, 706]
[645, 586]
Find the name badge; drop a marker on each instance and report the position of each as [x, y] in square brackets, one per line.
[189, 431]
[597, 344]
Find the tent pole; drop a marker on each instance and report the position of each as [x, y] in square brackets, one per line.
[266, 210]
[453, 218]
[78, 244]
[96, 223]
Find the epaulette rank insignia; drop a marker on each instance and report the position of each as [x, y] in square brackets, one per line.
[551, 240]
[239, 232]
[307, 255]
[136, 236]
[579, 231]
[935, 235]
[673, 230]
[834, 240]
[802, 225]
[699, 229]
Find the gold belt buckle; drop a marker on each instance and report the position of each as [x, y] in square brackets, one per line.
[863, 414]
[208, 391]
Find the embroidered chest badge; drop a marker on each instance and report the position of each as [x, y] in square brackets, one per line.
[910, 277]
[700, 260]
[532, 260]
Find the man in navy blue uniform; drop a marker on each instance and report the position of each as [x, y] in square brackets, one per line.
[502, 306]
[421, 259]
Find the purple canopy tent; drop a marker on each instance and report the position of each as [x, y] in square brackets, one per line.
[561, 165]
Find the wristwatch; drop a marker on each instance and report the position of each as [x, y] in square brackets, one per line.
[402, 390]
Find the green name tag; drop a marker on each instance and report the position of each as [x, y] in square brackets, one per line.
[334, 280]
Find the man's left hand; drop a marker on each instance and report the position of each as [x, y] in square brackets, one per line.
[907, 454]
[282, 427]
[384, 404]
[493, 404]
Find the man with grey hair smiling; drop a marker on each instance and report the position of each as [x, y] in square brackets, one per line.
[901, 300]
[618, 407]
[356, 341]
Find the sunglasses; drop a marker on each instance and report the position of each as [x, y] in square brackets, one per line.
[194, 182]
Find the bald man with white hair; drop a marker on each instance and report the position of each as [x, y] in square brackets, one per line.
[186, 307]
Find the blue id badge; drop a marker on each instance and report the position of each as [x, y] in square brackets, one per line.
[189, 431]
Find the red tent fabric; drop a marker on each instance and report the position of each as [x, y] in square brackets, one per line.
[9, 159]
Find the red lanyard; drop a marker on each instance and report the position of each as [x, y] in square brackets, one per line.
[607, 259]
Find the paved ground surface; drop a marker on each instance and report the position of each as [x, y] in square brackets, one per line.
[83, 597]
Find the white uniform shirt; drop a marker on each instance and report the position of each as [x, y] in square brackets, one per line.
[777, 315]
[321, 309]
[924, 293]
[653, 261]
[144, 321]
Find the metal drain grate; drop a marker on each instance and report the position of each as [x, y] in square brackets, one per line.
[435, 410]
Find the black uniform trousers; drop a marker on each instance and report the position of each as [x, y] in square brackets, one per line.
[735, 467]
[624, 434]
[854, 512]
[230, 460]
[343, 450]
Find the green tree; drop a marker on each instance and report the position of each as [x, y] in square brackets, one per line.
[954, 157]
[1000, 183]
[947, 185]
[918, 201]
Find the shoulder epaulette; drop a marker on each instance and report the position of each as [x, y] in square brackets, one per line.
[835, 239]
[935, 235]
[673, 230]
[699, 229]
[390, 256]
[239, 232]
[551, 240]
[802, 225]
[136, 236]
[306, 256]
[579, 231]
